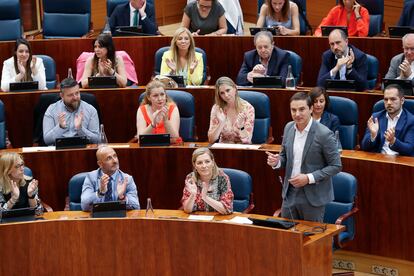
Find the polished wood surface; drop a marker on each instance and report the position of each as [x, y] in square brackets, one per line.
[224, 54]
[119, 106]
[163, 246]
[384, 186]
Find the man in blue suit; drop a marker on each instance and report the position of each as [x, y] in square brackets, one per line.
[343, 61]
[391, 131]
[265, 60]
[310, 157]
[134, 13]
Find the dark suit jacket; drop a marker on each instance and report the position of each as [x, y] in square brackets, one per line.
[404, 134]
[407, 18]
[278, 65]
[330, 120]
[121, 17]
[320, 157]
[359, 71]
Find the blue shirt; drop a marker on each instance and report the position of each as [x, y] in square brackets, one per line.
[52, 129]
[91, 184]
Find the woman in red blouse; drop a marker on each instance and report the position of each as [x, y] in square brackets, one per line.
[207, 188]
[158, 113]
[347, 13]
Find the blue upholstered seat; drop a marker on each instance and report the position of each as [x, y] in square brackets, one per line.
[75, 191]
[10, 22]
[50, 69]
[241, 185]
[373, 68]
[111, 5]
[296, 61]
[262, 130]
[186, 106]
[347, 112]
[342, 209]
[160, 52]
[408, 104]
[66, 18]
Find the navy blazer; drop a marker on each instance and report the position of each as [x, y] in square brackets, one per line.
[121, 17]
[407, 18]
[330, 120]
[359, 71]
[404, 134]
[278, 65]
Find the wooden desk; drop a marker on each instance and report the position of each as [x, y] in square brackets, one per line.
[119, 107]
[384, 186]
[139, 246]
[224, 54]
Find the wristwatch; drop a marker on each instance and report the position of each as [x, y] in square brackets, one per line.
[100, 193]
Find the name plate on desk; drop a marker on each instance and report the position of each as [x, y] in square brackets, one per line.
[109, 209]
[17, 215]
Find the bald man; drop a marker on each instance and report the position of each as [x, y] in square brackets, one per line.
[402, 65]
[108, 183]
[343, 62]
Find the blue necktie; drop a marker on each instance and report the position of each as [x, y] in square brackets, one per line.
[108, 194]
[135, 19]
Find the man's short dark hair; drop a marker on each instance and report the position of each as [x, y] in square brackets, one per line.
[67, 83]
[301, 96]
[395, 86]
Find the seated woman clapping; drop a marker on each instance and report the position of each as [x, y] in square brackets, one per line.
[182, 59]
[207, 188]
[157, 113]
[104, 62]
[231, 118]
[23, 66]
[16, 189]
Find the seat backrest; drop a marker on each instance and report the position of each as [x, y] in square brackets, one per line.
[186, 106]
[241, 185]
[347, 112]
[296, 61]
[75, 191]
[28, 171]
[160, 52]
[376, 15]
[2, 126]
[406, 18]
[66, 18]
[50, 70]
[261, 104]
[10, 22]
[47, 99]
[111, 5]
[408, 104]
[345, 190]
[373, 67]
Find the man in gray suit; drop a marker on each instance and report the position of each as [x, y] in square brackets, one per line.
[310, 157]
[402, 65]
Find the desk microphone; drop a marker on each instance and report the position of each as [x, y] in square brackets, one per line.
[287, 202]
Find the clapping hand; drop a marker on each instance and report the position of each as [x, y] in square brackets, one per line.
[221, 116]
[204, 190]
[62, 120]
[103, 184]
[240, 120]
[15, 191]
[405, 68]
[78, 120]
[32, 188]
[172, 65]
[21, 66]
[33, 65]
[193, 65]
[121, 187]
[351, 58]
[191, 186]
[160, 115]
[105, 67]
[373, 126]
[390, 135]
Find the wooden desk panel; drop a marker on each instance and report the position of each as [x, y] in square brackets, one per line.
[384, 186]
[139, 246]
[119, 106]
[225, 54]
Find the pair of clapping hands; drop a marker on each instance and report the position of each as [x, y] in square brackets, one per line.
[77, 121]
[192, 187]
[105, 67]
[15, 191]
[120, 187]
[240, 120]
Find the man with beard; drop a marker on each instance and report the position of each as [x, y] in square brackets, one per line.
[108, 183]
[70, 116]
[391, 131]
[265, 60]
[343, 62]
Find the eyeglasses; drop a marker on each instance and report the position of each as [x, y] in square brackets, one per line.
[408, 49]
[19, 166]
[203, 6]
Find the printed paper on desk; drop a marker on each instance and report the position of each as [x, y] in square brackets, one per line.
[35, 149]
[200, 217]
[234, 146]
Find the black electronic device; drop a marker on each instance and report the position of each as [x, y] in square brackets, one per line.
[102, 82]
[23, 86]
[153, 140]
[178, 79]
[406, 85]
[399, 31]
[17, 215]
[71, 142]
[273, 223]
[255, 30]
[340, 85]
[268, 82]
[109, 209]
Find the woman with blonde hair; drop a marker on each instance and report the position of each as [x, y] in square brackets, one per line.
[16, 189]
[231, 118]
[157, 112]
[207, 188]
[280, 14]
[182, 59]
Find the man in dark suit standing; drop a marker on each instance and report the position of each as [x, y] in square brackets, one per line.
[134, 13]
[310, 157]
[343, 61]
[265, 60]
[390, 131]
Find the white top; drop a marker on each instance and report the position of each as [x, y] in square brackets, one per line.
[390, 124]
[233, 14]
[9, 74]
[298, 147]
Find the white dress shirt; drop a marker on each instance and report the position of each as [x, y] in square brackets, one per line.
[390, 124]
[298, 147]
